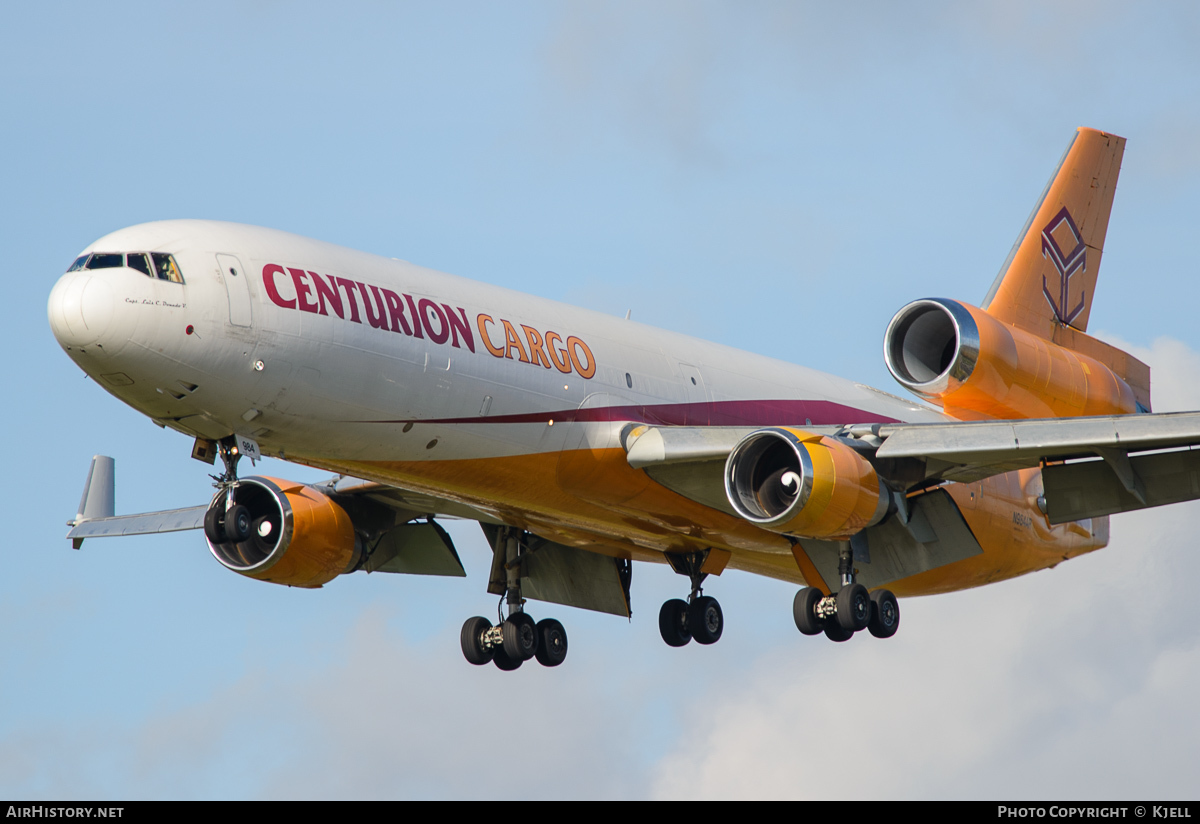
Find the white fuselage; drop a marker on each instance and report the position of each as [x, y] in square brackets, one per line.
[313, 380]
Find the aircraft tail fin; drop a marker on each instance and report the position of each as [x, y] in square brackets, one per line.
[1049, 278]
[1047, 284]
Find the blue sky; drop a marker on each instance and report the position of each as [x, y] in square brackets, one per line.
[776, 177]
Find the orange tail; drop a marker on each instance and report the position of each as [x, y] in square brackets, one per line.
[1047, 285]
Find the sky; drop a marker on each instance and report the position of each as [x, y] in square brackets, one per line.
[779, 177]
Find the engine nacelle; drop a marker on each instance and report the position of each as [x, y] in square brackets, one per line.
[297, 536]
[800, 483]
[977, 367]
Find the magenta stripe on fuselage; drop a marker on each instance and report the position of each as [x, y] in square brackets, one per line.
[716, 413]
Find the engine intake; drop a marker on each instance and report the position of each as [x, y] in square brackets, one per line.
[800, 483]
[932, 346]
[282, 532]
[978, 367]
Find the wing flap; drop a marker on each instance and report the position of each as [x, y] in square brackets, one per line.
[1089, 489]
[977, 449]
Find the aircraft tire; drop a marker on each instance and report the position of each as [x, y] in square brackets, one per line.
[520, 637]
[804, 611]
[503, 662]
[213, 530]
[885, 614]
[472, 649]
[706, 620]
[854, 607]
[673, 623]
[238, 525]
[835, 632]
[552, 643]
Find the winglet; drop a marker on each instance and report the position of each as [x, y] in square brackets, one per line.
[99, 493]
[1049, 279]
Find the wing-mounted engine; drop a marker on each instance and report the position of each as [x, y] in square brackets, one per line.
[282, 532]
[801, 483]
[977, 367]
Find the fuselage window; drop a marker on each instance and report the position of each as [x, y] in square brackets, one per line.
[165, 268]
[138, 261]
[628, 380]
[105, 261]
[78, 264]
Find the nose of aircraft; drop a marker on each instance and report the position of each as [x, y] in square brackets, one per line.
[81, 308]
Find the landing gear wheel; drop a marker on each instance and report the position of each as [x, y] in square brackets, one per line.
[853, 607]
[520, 637]
[503, 662]
[804, 610]
[835, 632]
[237, 524]
[552, 643]
[705, 620]
[471, 638]
[885, 614]
[213, 530]
[673, 623]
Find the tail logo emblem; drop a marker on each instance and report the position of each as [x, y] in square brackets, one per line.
[1067, 264]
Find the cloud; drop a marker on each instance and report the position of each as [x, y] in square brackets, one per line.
[1075, 682]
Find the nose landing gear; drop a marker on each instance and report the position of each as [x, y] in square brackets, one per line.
[232, 522]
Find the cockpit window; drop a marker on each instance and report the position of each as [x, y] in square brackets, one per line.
[153, 265]
[165, 268]
[138, 261]
[105, 261]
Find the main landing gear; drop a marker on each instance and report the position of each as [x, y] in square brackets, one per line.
[698, 617]
[848, 611]
[517, 638]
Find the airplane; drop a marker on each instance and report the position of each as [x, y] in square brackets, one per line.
[583, 442]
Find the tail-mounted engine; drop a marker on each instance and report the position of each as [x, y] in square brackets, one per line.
[282, 532]
[978, 367]
[799, 483]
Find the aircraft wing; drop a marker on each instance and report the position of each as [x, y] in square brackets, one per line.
[1091, 466]
[146, 523]
[401, 543]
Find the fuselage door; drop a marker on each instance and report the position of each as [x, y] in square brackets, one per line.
[238, 289]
